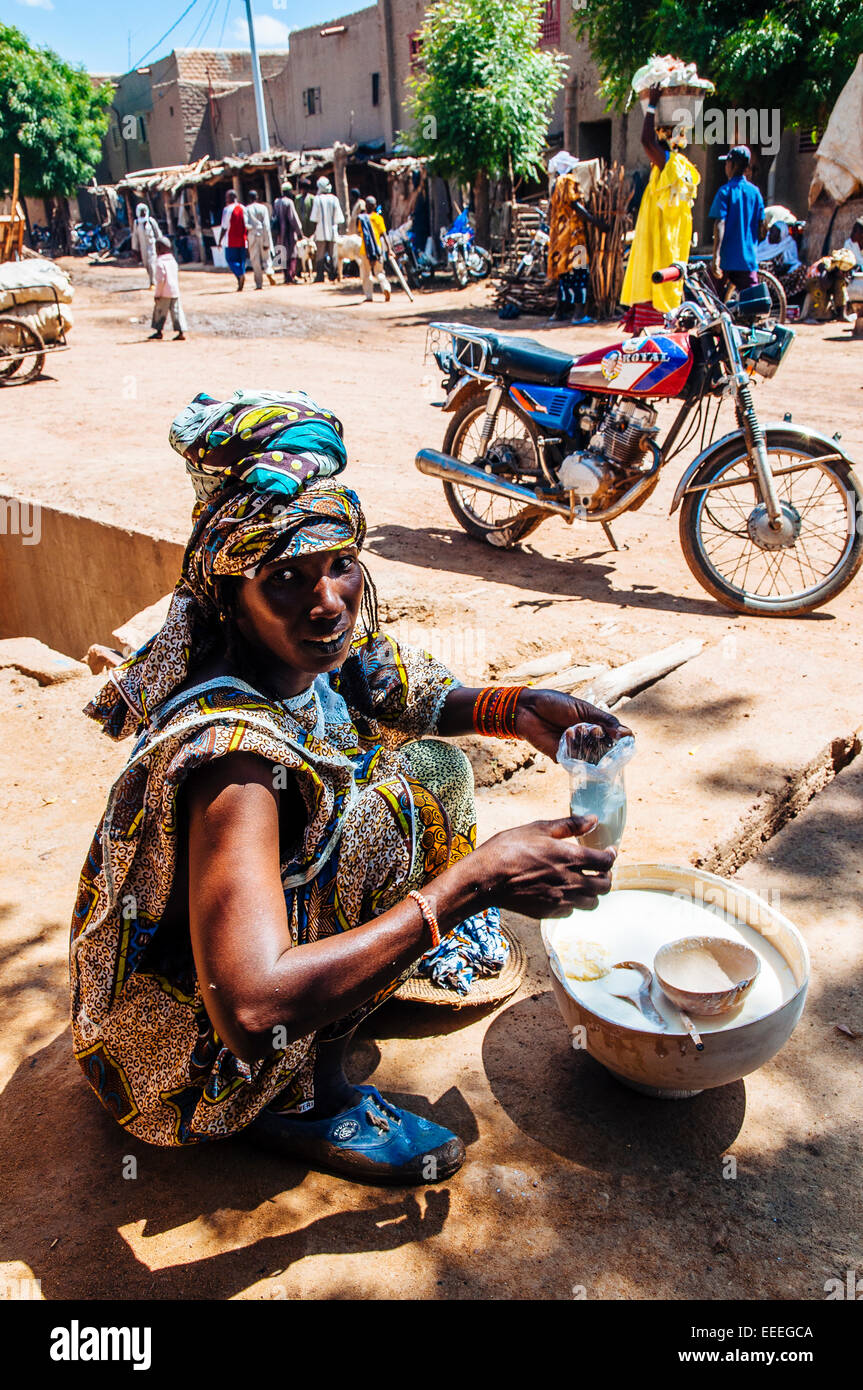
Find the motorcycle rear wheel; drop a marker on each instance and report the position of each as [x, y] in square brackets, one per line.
[821, 503]
[484, 515]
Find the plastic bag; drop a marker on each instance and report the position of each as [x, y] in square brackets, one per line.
[595, 764]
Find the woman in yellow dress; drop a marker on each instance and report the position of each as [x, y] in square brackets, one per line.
[663, 232]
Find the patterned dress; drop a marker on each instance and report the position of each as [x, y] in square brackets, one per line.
[567, 229]
[384, 814]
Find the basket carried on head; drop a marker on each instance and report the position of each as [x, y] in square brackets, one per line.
[683, 91]
[677, 105]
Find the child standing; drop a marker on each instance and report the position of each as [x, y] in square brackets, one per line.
[167, 292]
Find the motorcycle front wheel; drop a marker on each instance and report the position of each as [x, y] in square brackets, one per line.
[731, 550]
[461, 272]
[478, 263]
[512, 453]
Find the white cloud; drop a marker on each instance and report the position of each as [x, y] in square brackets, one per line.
[269, 31]
[37, 4]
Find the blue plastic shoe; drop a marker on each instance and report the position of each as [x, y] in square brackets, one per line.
[373, 1142]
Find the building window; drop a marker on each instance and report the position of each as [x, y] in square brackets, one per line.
[376, 89]
[312, 101]
[142, 130]
[171, 109]
[549, 31]
[414, 49]
[594, 140]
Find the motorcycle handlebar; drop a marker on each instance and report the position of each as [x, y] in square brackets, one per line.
[672, 272]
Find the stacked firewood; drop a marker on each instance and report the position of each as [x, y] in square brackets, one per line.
[530, 291]
[533, 296]
[608, 202]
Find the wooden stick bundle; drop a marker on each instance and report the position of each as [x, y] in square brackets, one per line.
[608, 202]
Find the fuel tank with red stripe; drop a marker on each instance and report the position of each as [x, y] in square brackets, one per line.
[652, 364]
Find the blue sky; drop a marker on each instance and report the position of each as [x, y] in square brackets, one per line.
[101, 34]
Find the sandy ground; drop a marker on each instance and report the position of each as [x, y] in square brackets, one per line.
[571, 1181]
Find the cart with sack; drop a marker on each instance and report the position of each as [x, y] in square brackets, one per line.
[34, 317]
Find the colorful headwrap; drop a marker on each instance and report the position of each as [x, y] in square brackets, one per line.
[271, 441]
[262, 464]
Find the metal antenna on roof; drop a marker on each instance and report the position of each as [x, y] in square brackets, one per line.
[263, 133]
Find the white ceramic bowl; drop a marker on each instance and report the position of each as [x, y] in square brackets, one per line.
[667, 1064]
[739, 963]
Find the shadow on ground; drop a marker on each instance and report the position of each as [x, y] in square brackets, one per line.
[582, 1113]
[579, 577]
[67, 1200]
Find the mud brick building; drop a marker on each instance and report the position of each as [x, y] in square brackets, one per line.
[346, 81]
[165, 114]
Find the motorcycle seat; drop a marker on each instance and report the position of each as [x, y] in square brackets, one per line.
[528, 360]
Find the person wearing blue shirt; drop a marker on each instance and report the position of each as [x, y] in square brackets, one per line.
[738, 209]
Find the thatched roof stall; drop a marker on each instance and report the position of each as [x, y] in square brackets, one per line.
[192, 196]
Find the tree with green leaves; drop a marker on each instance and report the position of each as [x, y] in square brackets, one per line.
[793, 54]
[50, 114]
[482, 98]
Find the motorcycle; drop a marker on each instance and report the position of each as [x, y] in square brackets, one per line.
[778, 302]
[416, 268]
[87, 237]
[467, 260]
[770, 515]
[533, 261]
[40, 237]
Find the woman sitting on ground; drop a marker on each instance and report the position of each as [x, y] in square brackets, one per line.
[288, 837]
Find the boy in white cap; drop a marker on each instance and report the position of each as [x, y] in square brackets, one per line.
[166, 292]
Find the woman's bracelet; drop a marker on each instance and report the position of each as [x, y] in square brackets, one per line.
[494, 710]
[428, 917]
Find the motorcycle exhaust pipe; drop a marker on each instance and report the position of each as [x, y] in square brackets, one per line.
[451, 470]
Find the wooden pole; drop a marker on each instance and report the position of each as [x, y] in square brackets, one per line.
[635, 675]
[340, 175]
[196, 218]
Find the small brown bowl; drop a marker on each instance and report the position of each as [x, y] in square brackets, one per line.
[676, 966]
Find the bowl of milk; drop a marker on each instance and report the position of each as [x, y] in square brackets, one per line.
[649, 906]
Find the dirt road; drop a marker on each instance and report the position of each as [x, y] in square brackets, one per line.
[571, 1182]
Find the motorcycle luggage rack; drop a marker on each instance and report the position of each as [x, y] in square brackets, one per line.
[468, 349]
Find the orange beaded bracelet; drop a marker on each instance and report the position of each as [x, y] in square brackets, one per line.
[494, 710]
[428, 917]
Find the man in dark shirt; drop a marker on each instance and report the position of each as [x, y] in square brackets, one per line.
[738, 209]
